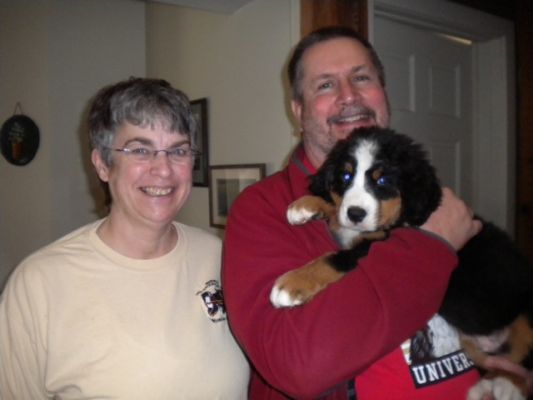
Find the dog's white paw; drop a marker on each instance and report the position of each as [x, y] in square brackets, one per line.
[480, 389]
[299, 215]
[499, 388]
[281, 298]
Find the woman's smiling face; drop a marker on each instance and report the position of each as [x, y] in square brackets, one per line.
[146, 192]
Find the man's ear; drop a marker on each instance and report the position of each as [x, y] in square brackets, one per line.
[100, 166]
[296, 108]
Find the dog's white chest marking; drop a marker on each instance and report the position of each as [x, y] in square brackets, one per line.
[357, 195]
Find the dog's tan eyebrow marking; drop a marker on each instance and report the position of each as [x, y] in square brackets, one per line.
[377, 173]
[348, 167]
[337, 200]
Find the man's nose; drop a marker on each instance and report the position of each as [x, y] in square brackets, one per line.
[348, 93]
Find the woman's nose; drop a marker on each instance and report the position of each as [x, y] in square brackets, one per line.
[161, 163]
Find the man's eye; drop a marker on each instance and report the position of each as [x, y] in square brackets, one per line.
[325, 85]
[361, 78]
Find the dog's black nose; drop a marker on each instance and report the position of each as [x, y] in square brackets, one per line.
[356, 214]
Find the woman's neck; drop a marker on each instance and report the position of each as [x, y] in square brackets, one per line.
[137, 241]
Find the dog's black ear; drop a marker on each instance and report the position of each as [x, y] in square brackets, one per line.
[423, 201]
[418, 183]
[322, 181]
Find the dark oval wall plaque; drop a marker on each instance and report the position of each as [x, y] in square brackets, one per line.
[19, 139]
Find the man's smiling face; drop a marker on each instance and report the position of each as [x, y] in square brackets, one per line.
[341, 91]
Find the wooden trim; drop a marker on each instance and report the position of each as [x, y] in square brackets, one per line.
[525, 128]
[319, 13]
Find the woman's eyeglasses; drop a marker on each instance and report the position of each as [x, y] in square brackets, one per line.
[145, 154]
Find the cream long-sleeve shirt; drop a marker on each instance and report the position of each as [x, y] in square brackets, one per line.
[81, 321]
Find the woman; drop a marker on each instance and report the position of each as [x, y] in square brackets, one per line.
[130, 306]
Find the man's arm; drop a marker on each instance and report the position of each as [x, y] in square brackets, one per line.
[306, 350]
[452, 221]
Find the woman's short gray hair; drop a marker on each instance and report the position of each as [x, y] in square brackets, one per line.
[141, 102]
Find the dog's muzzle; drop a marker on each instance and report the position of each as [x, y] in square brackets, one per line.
[356, 214]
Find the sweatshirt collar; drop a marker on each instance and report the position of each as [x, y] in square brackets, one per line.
[302, 162]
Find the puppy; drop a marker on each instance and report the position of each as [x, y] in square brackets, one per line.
[377, 180]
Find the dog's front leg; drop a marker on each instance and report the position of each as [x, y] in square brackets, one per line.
[298, 286]
[308, 208]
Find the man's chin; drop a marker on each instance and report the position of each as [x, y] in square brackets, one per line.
[344, 131]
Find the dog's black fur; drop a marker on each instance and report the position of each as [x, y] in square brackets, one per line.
[401, 157]
[491, 288]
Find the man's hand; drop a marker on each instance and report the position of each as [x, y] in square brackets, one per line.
[453, 221]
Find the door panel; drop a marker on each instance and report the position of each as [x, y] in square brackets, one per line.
[429, 84]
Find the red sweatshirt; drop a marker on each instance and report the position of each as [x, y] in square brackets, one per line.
[355, 327]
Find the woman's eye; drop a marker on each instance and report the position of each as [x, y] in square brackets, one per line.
[142, 151]
[180, 152]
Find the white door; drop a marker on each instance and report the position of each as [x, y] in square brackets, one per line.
[456, 98]
[428, 79]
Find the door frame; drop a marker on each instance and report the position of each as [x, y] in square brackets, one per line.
[494, 107]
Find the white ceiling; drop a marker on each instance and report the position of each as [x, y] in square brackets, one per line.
[218, 6]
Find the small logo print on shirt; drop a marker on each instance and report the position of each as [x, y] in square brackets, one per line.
[434, 354]
[212, 301]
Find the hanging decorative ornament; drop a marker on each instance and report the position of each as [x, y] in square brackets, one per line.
[19, 138]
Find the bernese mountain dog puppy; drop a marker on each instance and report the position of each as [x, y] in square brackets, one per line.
[378, 179]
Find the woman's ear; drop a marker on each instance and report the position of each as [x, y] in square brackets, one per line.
[102, 170]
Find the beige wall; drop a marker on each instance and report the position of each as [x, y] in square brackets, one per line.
[71, 48]
[24, 194]
[54, 55]
[237, 61]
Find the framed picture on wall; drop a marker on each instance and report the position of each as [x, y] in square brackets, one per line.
[225, 183]
[200, 171]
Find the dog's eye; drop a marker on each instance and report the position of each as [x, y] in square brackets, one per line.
[382, 180]
[347, 177]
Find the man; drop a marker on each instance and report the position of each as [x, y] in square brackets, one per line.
[355, 327]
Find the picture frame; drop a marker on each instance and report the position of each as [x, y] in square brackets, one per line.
[200, 172]
[225, 183]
